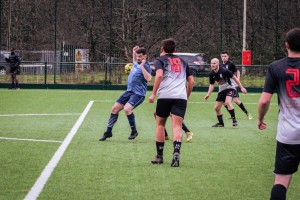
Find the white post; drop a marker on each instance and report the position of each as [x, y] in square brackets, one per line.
[244, 32]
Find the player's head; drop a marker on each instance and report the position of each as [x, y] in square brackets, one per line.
[141, 54]
[168, 45]
[224, 56]
[292, 39]
[214, 63]
[12, 50]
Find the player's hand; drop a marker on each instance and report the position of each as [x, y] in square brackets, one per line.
[143, 62]
[244, 90]
[206, 97]
[135, 48]
[151, 98]
[261, 125]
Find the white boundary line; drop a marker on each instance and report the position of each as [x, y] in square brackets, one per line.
[53, 114]
[43, 178]
[31, 140]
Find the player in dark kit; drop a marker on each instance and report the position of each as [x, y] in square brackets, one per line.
[223, 76]
[283, 76]
[173, 85]
[228, 64]
[138, 80]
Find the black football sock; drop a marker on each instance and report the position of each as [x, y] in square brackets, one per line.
[232, 114]
[177, 146]
[220, 119]
[243, 108]
[111, 122]
[278, 192]
[160, 148]
[185, 128]
[131, 120]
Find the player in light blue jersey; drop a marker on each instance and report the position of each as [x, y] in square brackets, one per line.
[137, 84]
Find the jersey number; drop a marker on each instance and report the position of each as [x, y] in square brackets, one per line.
[175, 64]
[290, 83]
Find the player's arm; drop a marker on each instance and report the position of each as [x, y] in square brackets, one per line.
[190, 85]
[190, 81]
[238, 74]
[146, 74]
[263, 107]
[239, 84]
[210, 90]
[157, 81]
[134, 54]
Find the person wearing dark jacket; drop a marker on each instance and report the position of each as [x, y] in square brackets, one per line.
[14, 63]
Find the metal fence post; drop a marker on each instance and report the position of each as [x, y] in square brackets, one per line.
[45, 79]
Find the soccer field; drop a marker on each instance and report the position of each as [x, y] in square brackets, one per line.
[49, 149]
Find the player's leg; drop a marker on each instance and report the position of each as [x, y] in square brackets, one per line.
[218, 106]
[228, 103]
[286, 163]
[134, 101]
[13, 75]
[238, 102]
[162, 113]
[189, 134]
[178, 111]
[166, 133]
[114, 115]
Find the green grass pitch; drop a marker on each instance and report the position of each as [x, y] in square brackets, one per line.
[219, 163]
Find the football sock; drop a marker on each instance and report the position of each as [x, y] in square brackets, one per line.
[185, 128]
[17, 84]
[220, 119]
[243, 108]
[131, 120]
[278, 192]
[232, 114]
[166, 133]
[12, 85]
[160, 148]
[111, 122]
[177, 145]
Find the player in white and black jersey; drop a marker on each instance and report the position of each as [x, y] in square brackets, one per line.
[228, 64]
[173, 85]
[223, 76]
[283, 76]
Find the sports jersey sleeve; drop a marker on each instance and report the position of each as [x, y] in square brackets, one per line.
[228, 74]
[148, 68]
[158, 64]
[211, 78]
[188, 71]
[232, 68]
[270, 84]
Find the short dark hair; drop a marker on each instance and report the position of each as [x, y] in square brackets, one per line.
[168, 45]
[225, 52]
[292, 37]
[141, 50]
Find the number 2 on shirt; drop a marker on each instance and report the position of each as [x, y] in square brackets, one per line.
[175, 64]
[290, 83]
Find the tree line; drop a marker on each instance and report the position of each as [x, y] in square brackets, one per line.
[113, 27]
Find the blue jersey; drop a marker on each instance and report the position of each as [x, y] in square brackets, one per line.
[136, 80]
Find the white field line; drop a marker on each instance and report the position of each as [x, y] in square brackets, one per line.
[43, 178]
[52, 114]
[31, 140]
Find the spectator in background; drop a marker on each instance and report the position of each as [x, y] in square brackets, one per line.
[283, 77]
[14, 63]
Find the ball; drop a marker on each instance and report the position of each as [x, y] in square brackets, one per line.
[128, 68]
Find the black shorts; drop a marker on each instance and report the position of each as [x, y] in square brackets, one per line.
[174, 106]
[235, 93]
[223, 94]
[287, 158]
